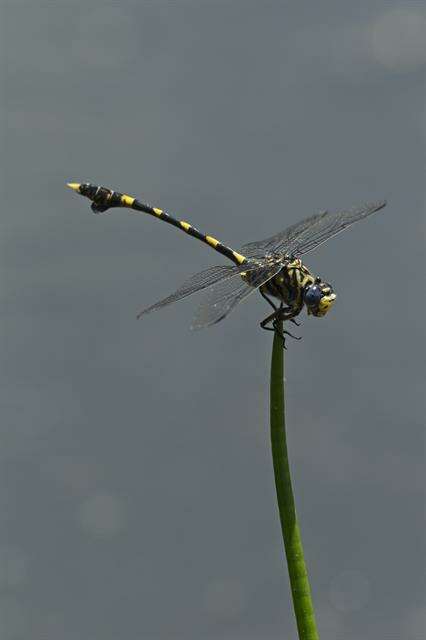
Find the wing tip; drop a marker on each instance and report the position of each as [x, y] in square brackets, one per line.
[380, 204]
[142, 313]
[196, 325]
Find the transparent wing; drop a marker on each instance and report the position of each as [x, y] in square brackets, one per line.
[280, 240]
[226, 295]
[195, 283]
[330, 225]
[304, 236]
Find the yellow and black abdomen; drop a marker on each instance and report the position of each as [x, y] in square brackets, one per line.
[104, 199]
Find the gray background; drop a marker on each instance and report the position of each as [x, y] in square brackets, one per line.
[136, 492]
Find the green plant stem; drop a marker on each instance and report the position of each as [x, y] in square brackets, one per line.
[299, 582]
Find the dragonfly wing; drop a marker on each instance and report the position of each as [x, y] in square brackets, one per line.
[197, 282]
[279, 240]
[308, 234]
[223, 297]
[332, 224]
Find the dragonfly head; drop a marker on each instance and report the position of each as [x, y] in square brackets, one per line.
[319, 298]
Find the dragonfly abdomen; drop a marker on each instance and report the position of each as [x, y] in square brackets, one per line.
[104, 199]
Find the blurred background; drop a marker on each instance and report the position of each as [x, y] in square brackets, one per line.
[136, 491]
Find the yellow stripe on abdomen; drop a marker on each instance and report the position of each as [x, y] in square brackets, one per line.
[127, 201]
[238, 257]
[212, 241]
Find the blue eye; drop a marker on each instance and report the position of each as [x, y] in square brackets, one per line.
[313, 295]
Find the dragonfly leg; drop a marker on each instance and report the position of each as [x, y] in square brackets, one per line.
[281, 314]
[268, 300]
[268, 320]
[281, 334]
[295, 322]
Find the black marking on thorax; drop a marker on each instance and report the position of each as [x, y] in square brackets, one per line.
[289, 283]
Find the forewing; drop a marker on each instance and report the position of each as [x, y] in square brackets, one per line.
[226, 295]
[308, 234]
[281, 240]
[330, 225]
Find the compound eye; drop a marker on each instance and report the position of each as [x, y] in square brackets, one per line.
[313, 295]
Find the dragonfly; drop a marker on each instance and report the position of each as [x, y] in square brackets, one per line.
[272, 266]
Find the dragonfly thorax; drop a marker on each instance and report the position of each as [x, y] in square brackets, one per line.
[295, 286]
